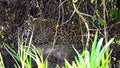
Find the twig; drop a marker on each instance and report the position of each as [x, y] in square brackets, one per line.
[84, 21]
[55, 36]
[105, 24]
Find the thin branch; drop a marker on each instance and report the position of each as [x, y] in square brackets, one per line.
[105, 24]
[84, 21]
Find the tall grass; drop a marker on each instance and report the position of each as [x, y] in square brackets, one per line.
[1, 62]
[26, 54]
[38, 57]
[22, 59]
[96, 58]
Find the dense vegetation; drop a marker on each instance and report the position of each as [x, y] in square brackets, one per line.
[58, 29]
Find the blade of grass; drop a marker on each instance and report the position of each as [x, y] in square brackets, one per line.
[97, 51]
[106, 61]
[77, 62]
[67, 65]
[81, 60]
[87, 57]
[94, 45]
[103, 50]
[74, 65]
[1, 62]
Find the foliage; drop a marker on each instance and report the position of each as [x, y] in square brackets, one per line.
[1, 62]
[117, 40]
[21, 57]
[100, 22]
[94, 59]
[114, 14]
[26, 54]
[38, 57]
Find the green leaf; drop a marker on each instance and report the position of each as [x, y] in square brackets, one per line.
[77, 62]
[81, 60]
[87, 58]
[100, 22]
[97, 51]
[14, 54]
[94, 45]
[106, 60]
[67, 64]
[103, 50]
[114, 14]
[74, 65]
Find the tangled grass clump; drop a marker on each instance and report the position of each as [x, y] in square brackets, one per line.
[97, 58]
